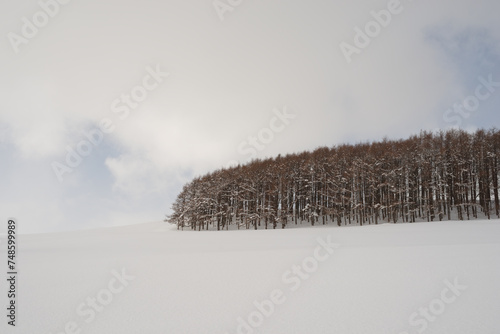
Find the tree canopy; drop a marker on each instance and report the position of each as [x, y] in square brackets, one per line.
[430, 176]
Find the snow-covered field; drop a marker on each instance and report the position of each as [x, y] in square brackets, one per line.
[440, 277]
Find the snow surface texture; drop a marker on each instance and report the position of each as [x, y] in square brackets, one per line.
[438, 277]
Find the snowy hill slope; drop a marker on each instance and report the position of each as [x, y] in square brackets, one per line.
[439, 277]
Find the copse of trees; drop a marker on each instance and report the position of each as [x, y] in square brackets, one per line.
[426, 177]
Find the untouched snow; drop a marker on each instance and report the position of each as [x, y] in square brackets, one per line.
[202, 282]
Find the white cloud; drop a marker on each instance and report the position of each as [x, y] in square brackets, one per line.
[226, 78]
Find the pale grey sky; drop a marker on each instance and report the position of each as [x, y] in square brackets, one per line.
[185, 87]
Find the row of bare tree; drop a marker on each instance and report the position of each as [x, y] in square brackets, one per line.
[450, 175]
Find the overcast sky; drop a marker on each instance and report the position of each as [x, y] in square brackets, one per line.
[108, 107]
